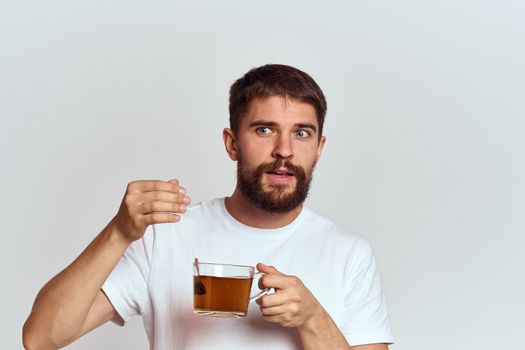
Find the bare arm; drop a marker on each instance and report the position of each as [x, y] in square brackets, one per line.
[379, 346]
[72, 303]
[321, 332]
[62, 305]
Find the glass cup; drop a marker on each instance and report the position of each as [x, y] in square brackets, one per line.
[223, 290]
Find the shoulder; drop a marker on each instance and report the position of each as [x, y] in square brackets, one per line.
[330, 227]
[336, 234]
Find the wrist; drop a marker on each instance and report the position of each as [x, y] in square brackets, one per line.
[321, 332]
[316, 320]
[114, 234]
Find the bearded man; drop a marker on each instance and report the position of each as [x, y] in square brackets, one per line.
[325, 286]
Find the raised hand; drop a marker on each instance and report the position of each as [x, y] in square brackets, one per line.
[148, 202]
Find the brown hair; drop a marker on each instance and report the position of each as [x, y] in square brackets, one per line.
[274, 80]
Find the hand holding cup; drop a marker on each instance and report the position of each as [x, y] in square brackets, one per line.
[292, 304]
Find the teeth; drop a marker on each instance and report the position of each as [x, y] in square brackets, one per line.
[282, 173]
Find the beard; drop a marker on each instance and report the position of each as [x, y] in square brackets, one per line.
[279, 198]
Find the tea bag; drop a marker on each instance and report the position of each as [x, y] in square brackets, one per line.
[198, 286]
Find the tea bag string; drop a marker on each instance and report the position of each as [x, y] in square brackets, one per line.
[195, 259]
[198, 287]
[190, 243]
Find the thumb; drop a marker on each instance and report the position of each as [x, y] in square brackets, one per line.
[182, 190]
[268, 269]
[174, 181]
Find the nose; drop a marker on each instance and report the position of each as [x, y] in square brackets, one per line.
[283, 147]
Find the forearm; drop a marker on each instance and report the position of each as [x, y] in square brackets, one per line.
[62, 305]
[321, 332]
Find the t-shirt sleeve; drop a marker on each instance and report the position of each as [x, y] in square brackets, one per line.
[367, 321]
[127, 285]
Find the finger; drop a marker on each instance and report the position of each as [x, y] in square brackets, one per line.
[277, 299]
[153, 185]
[163, 196]
[274, 310]
[160, 206]
[160, 218]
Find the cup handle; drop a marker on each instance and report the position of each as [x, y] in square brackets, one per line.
[262, 292]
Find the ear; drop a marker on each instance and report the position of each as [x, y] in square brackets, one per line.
[229, 143]
[320, 147]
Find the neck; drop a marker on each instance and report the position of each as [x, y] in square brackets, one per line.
[250, 215]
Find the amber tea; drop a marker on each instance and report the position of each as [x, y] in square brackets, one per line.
[224, 294]
[222, 290]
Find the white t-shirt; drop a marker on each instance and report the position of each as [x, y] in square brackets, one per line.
[154, 278]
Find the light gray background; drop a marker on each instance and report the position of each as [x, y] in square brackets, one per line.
[424, 154]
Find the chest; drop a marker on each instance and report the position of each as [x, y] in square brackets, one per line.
[316, 263]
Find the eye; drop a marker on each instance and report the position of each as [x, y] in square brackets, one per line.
[263, 130]
[302, 133]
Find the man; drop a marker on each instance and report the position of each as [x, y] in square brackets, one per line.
[327, 287]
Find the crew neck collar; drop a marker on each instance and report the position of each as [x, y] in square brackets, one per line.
[238, 226]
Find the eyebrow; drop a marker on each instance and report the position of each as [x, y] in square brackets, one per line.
[273, 124]
[307, 126]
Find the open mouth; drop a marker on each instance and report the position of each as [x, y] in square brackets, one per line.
[281, 173]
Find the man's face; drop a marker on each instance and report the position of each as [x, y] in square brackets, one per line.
[277, 148]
